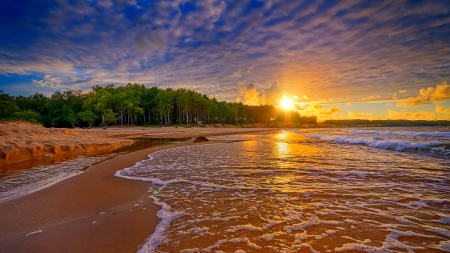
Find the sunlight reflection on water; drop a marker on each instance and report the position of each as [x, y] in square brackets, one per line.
[288, 193]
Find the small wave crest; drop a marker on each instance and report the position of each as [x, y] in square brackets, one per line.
[401, 133]
[435, 148]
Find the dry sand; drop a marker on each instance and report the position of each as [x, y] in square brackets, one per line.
[20, 141]
[93, 211]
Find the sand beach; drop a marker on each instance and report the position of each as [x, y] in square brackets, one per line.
[93, 211]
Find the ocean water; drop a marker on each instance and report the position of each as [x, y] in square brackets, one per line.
[19, 179]
[16, 183]
[344, 190]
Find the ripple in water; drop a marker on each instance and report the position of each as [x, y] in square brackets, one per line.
[288, 193]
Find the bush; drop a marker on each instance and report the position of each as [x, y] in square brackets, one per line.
[27, 115]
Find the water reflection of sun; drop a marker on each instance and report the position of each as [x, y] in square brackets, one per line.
[282, 146]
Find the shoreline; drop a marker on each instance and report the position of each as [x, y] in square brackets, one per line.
[93, 211]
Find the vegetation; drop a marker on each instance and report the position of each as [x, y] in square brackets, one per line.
[136, 104]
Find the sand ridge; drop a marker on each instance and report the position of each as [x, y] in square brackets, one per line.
[21, 141]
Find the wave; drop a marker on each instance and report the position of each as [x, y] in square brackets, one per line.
[402, 133]
[430, 147]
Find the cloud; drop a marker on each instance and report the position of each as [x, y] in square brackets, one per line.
[441, 92]
[273, 94]
[357, 114]
[148, 40]
[410, 115]
[322, 111]
[439, 108]
[371, 98]
[249, 94]
[237, 74]
[49, 81]
[334, 52]
[401, 91]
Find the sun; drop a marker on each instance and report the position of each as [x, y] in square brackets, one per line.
[286, 103]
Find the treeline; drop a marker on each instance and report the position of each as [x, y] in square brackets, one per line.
[135, 104]
[385, 123]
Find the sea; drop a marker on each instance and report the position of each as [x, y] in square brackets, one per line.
[303, 190]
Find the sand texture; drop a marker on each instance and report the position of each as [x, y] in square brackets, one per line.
[20, 141]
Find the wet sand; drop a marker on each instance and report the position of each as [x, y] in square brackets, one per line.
[90, 212]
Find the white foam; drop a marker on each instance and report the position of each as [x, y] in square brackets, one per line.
[249, 227]
[438, 231]
[402, 133]
[166, 216]
[444, 245]
[246, 241]
[396, 145]
[445, 219]
[34, 233]
[214, 188]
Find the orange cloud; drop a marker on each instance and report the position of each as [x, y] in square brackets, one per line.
[410, 115]
[441, 92]
[357, 114]
[325, 111]
[369, 98]
[439, 108]
[249, 94]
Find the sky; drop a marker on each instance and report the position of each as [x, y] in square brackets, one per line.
[334, 59]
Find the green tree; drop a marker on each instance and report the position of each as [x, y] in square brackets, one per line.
[109, 117]
[7, 105]
[88, 116]
[27, 115]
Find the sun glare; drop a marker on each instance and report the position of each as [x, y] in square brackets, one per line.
[286, 103]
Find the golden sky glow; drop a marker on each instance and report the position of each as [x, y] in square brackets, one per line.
[286, 103]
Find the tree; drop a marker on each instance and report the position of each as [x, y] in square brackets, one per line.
[7, 105]
[88, 116]
[27, 115]
[109, 117]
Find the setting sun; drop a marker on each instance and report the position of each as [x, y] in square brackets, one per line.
[286, 103]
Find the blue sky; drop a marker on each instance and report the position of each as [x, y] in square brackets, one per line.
[341, 59]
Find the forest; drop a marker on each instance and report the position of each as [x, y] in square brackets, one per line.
[136, 104]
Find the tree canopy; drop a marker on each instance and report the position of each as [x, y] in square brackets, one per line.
[135, 104]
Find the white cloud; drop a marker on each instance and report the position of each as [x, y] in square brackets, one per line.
[49, 82]
[237, 74]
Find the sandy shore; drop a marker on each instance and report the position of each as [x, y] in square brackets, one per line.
[90, 212]
[24, 142]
